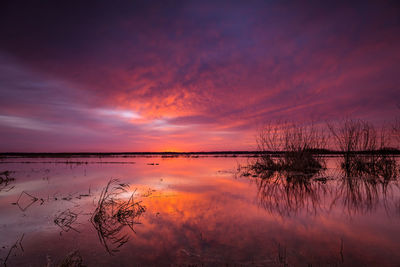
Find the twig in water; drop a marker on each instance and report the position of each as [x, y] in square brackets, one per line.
[25, 200]
[341, 250]
[15, 246]
[113, 214]
[65, 220]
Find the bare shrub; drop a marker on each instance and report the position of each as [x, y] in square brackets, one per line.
[363, 146]
[396, 133]
[353, 136]
[396, 130]
[298, 145]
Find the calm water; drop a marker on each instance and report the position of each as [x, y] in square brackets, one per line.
[196, 211]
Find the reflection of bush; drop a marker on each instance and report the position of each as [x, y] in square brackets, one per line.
[289, 195]
[378, 166]
[358, 195]
[113, 214]
[366, 183]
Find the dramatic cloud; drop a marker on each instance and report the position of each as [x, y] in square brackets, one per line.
[189, 75]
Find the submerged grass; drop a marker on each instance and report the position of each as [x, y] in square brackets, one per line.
[113, 214]
[73, 259]
[5, 181]
[65, 220]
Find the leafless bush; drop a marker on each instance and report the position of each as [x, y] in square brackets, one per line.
[297, 143]
[354, 136]
[290, 136]
[396, 130]
[396, 133]
[363, 146]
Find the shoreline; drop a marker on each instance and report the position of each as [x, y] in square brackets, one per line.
[177, 154]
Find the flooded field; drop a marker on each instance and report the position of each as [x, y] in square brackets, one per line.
[180, 211]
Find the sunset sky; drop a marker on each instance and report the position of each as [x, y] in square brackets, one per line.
[189, 75]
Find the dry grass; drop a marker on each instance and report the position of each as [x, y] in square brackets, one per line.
[5, 181]
[73, 259]
[113, 214]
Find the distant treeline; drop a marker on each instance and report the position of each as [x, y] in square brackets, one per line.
[391, 151]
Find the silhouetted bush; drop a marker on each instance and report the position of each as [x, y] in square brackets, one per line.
[364, 148]
[396, 133]
[296, 144]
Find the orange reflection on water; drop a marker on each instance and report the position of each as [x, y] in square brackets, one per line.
[198, 211]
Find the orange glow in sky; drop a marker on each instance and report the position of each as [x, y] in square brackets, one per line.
[196, 76]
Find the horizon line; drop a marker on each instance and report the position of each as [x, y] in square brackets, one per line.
[317, 151]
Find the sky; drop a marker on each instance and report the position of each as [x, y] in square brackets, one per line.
[101, 76]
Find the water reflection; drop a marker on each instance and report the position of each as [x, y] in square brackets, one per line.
[289, 194]
[379, 166]
[65, 220]
[354, 190]
[195, 212]
[362, 190]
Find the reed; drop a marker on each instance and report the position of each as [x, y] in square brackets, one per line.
[113, 214]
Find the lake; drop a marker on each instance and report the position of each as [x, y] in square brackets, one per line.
[192, 211]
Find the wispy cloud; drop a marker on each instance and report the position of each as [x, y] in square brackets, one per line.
[198, 76]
